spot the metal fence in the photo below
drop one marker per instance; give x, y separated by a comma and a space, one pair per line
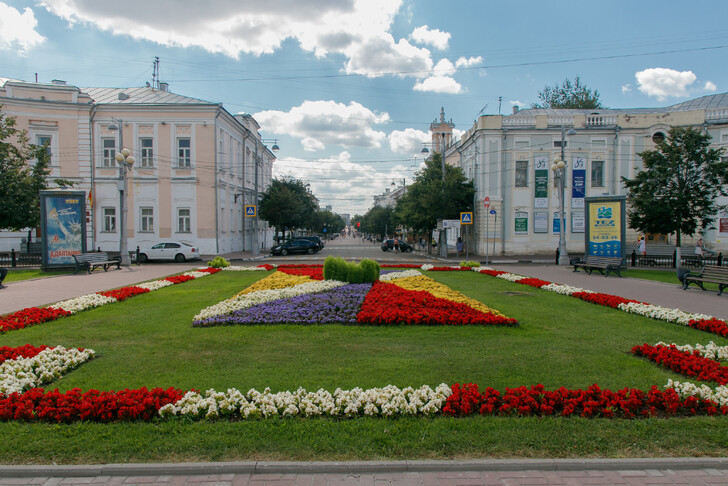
660, 258
17, 259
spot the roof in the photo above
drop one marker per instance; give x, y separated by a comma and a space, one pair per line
141, 96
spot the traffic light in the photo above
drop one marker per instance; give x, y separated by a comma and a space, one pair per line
358, 224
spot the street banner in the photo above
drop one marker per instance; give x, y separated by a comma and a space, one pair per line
577, 222
521, 222
605, 226
63, 225
557, 223
541, 187
578, 184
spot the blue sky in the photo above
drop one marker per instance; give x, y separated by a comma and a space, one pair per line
349, 87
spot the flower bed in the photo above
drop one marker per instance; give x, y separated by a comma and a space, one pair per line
688, 363
30, 368
37, 315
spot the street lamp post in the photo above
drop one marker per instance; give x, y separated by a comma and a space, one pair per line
559, 168
125, 161
443, 233
274, 148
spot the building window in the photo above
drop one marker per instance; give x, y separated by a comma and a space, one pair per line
109, 147
597, 173
109, 220
147, 145
147, 220
521, 173
184, 221
44, 139
184, 159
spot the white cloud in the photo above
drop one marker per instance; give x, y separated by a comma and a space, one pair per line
627, 88
435, 38
439, 84
17, 30
319, 123
664, 83
710, 86
408, 141
469, 62
348, 186
381, 55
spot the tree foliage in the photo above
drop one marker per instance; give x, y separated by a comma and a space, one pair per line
23, 171
379, 220
326, 219
568, 95
677, 189
287, 204
429, 198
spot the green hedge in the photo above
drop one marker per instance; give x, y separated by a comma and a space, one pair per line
336, 268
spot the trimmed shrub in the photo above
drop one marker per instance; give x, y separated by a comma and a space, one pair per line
336, 268
218, 262
469, 263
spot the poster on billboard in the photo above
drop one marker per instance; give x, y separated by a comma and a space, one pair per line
541, 188
540, 222
723, 222
63, 225
578, 183
605, 226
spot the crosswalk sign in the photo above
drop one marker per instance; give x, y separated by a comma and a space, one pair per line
466, 218
250, 210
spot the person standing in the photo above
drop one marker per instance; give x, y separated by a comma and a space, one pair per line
642, 246
459, 246
700, 249
396, 245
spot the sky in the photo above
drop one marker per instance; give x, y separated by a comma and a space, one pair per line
349, 87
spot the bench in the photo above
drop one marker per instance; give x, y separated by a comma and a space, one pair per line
90, 261
710, 274
608, 264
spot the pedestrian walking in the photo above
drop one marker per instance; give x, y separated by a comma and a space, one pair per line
396, 245
459, 246
642, 246
700, 250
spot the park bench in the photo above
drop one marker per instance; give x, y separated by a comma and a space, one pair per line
710, 274
608, 264
90, 261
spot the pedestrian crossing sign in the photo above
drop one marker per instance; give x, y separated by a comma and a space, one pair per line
466, 218
250, 210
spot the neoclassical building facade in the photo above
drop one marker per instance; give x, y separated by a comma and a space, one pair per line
196, 165
509, 159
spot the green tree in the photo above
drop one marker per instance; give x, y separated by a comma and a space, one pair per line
568, 95
326, 219
430, 198
677, 189
287, 204
23, 171
379, 220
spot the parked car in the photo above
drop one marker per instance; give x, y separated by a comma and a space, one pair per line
169, 250
388, 245
319, 242
295, 246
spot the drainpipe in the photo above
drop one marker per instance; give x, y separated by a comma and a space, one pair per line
217, 202
614, 156
503, 192
93, 173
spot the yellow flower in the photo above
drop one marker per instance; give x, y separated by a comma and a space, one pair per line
277, 280
442, 291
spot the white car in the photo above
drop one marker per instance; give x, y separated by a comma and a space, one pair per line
169, 250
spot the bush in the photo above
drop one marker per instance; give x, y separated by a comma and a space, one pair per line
336, 268
218, 262
470, 264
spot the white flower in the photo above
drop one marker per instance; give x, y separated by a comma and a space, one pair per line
427, 267
662, 313
564, 289
155, 285
84, 302
21, 374
403, 274
512, 277
709, 351
233, 268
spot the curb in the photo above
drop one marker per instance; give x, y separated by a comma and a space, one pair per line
348, 467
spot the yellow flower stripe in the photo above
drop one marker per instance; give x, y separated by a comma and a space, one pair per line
276, 280
442, 291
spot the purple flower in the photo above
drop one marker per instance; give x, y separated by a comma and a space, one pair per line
340, 305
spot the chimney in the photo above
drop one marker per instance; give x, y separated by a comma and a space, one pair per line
163, 86
58, 82
515, 109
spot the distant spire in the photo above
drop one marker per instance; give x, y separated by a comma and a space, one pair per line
442, 115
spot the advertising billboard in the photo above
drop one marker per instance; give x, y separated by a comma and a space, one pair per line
63, 225
605, 226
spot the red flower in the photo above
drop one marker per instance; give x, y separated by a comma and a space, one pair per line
177, 279
688, 364
209, 270
314, 273
533, 282
27, 351
124, 292
29, 317
603, 299
716, 326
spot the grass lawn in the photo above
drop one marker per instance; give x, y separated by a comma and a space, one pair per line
15, 275
561, 341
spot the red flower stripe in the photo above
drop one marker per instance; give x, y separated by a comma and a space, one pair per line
533, 282
177, 279
124, 292
27, 351
29, 317
688, 364
267, 266
716, 326
209, 270
314, 273
492, 273
387, 303
603, 299
590, 403
299, 265
399, 265
37, 404
450, 269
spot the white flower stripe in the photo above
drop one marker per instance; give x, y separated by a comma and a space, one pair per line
155, 285
403, 274
387, 402
84, 302
234, 268
686, 389
710, 350
21, 374
662, 313
244, 301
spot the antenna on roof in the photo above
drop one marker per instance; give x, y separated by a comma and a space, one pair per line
155, 73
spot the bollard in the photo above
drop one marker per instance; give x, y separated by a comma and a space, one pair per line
720, 259
558, 254
13, 261
634, 257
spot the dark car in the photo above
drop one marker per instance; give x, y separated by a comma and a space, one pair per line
295, 246
315, 239
388, 245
